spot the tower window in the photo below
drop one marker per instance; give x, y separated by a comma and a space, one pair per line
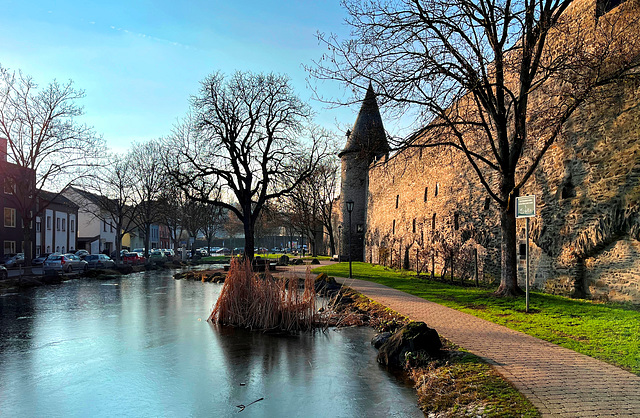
426, 193
433, 221
568, 190
393, 230
414, 225
437, 189
456, 221
397, 200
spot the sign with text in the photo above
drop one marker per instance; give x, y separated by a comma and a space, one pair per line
525, 206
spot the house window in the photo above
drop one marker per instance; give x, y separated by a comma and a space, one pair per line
63, 249
414, 225
110, 227
393, 228
48, 248
57, 248
433, 221
64, 224
104, 226
38, 250
9, 186
57, 224
73, 225
426, 193
49, 222
437, 189
397, 200
38, 226
9, 218
9, 247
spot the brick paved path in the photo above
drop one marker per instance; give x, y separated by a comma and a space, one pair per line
558, 381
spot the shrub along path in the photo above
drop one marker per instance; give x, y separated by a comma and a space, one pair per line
558, 381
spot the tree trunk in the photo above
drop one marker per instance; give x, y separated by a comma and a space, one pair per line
509, 260
26, 238
249, 238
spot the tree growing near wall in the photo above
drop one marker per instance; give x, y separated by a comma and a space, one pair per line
43, 137
250, 135
495, 80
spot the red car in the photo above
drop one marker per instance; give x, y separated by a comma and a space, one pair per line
132, 258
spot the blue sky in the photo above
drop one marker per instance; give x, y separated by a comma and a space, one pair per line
139, 61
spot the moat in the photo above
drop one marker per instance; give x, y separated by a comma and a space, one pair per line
140, 346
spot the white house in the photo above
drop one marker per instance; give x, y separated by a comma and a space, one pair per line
96, 228
56, 226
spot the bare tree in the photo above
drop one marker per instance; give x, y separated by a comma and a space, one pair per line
114, 189
149, 180
44, 138
212, 222
172, 207
495, 80
310, 204
250, 135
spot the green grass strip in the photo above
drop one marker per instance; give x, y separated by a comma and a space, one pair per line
606, 331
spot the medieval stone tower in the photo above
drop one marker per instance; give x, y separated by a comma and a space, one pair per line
366, 142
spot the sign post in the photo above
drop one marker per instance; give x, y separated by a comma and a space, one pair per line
526, 208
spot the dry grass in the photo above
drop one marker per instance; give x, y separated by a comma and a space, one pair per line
264, 303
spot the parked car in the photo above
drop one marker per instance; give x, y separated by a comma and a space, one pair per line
4, 274
82, 253
15, 261
6, 257
132, 258
168, 252
99, 261
202, 252
139, 251
223, 251
38, 261
157, 256
114, 253
238, 251
65, 263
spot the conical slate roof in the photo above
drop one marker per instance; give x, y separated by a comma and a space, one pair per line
367, 136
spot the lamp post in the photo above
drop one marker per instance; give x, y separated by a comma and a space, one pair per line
339, 239
350, 209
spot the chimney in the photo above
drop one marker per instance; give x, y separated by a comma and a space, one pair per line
3, 149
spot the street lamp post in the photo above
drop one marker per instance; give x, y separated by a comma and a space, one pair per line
339, 239
350, 209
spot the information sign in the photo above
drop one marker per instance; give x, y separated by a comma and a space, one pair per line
526, 206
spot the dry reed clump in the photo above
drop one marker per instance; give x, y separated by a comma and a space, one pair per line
246, 300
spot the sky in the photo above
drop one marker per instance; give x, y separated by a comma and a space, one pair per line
140, 61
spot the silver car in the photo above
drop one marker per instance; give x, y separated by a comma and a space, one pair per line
99, 261
65, 263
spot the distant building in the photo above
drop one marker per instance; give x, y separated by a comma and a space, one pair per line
96, 228
56, 227
12, 227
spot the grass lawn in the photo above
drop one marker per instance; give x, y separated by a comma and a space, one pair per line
609, 332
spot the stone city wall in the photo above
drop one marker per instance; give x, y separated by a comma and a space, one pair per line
586, 237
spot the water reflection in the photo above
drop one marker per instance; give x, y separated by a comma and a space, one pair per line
140, 346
